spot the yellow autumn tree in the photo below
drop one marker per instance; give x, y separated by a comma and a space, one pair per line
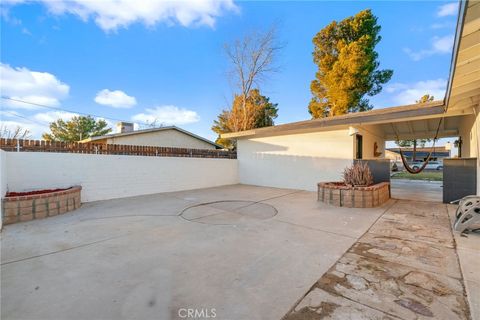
255, 112
347, 66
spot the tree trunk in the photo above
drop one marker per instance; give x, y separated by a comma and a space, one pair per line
414, 150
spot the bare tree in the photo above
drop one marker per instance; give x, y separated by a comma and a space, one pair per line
17, 133
155, 123
253, 59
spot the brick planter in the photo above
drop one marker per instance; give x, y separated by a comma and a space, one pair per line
36, 206
340, 195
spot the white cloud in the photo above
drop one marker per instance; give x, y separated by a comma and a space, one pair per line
442, 25
408, 93
32, 86
50, 116
167, 115
449, 9
36, 124
116, 99
111, 15
443, 44
440, 45
34, 130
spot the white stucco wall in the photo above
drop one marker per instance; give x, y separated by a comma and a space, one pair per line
475, 143
164, 138
371, 134
297, 161
470, 133
110, 176
3, 179
469, 137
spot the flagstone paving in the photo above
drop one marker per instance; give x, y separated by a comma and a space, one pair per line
404, 267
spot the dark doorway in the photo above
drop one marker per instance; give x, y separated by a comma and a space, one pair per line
359, 146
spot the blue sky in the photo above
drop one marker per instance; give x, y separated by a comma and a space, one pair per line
164, 60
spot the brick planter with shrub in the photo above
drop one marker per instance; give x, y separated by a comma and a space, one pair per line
356, 191
340, 195
18, 207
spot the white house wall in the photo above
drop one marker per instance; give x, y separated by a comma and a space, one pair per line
110, 176
470, 133
163, 138
475, 144
297, 161
371, 134
3, 180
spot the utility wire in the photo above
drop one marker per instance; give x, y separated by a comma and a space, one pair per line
20, 116
67, 110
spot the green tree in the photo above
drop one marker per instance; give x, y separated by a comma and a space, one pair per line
425, 98
416, 142
347, 66
255, 112
76, 129
222, 125
266, 111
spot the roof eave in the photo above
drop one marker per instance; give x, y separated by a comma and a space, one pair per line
385, 115
117, 135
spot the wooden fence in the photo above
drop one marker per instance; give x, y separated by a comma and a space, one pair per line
118, 149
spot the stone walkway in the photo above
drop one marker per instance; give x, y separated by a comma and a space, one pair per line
404, 267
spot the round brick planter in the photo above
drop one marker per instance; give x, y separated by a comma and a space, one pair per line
36, 206
340, 195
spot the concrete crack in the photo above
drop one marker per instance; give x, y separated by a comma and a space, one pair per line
67, 249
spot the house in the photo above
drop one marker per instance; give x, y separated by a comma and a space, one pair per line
393, 156
170, 136
299, 155
438, 154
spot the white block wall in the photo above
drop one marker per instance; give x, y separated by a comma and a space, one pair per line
109, 176
297, 161
3, 179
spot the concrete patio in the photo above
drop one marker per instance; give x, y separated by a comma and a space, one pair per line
138, 258
417, 190
248, 252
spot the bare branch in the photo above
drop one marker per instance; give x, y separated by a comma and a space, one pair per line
253, 59
17, 133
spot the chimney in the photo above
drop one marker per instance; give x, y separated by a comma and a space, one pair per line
123, 127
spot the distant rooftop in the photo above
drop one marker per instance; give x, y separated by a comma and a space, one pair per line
135, 132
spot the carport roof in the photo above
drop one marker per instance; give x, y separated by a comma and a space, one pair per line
416, 120
386, 115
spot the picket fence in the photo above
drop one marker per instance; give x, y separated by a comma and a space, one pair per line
20, 145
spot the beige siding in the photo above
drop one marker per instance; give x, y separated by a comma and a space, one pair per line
164, 138
297, 161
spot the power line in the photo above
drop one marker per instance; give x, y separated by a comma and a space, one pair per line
67, 110
42, 123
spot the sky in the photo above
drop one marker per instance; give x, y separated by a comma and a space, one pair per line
164, 61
